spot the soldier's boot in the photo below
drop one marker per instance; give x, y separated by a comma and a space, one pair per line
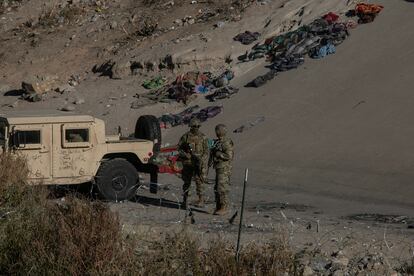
218, 203
222, 211
223, 206
184, 204
199, 202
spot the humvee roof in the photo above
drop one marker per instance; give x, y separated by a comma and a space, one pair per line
43, 117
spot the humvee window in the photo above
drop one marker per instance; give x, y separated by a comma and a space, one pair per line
29, 137
80, 135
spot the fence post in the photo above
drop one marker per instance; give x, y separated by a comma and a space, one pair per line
246, 174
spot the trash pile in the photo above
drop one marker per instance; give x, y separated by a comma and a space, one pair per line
317, 40
171, 120
186, 86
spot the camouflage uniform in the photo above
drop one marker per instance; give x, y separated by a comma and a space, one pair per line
193, 152
221, 158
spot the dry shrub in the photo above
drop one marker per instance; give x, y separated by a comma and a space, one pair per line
73, 236
272, 258
407, 268
176, 254
148, 26
13, 173
181, 254
70, 236
55, 16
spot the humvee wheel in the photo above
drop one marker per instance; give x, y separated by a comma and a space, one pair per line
148, 128
117, 180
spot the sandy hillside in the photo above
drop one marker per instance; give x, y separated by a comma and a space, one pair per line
337, 131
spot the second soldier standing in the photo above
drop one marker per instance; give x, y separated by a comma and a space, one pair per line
193, 152
221, 157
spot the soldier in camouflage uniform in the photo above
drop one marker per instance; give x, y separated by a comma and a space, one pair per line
221, 157
193, 152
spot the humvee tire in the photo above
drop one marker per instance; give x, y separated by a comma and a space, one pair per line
148, 128
117, 180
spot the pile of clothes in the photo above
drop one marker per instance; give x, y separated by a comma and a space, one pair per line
222, 93
167, 161
366, 12
154, 83
325, 30
187, 85
184, 117
261, 80
317, 40
247, 37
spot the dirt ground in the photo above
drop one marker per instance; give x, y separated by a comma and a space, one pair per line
330, 166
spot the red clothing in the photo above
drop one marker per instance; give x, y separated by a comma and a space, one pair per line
331, 17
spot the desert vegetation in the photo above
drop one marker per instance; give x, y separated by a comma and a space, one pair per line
44, 235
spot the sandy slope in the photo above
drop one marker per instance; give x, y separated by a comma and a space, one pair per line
338, 132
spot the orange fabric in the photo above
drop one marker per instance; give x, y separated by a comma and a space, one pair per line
368, 8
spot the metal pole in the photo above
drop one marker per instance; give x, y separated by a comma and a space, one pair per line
246, 174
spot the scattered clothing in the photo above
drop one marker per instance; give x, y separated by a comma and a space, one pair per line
193, 78
323, 51
261, 80
223, 79
351, 24
367, 12
201, 89
249, 125
208, 112
222, 93
282, 64
172, 120
155, 83
247, 37
184, 117
287, 51
185, 86
331, 17
167, 161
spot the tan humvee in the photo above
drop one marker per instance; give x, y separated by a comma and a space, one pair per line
65, 148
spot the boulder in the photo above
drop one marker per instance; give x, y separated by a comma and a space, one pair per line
68, 108
121, 70
65, 88
39, 85
79, 101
